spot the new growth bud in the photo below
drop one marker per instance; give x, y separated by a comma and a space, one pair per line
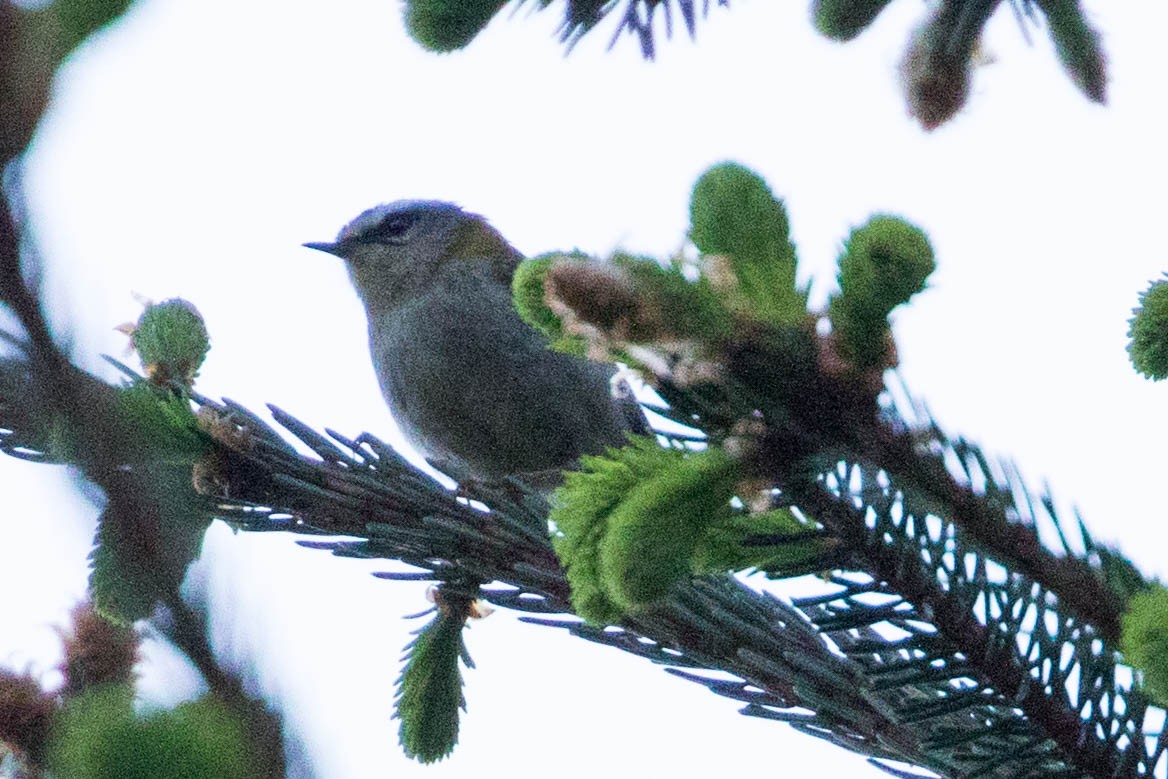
429, 690
448, 25
630, 309
884, 263
171, 341
1148, 332
937, 65
1078, 47
642, 519
1144, 640
531, 300
97, 651
604, 297
734, 214
631, 522
842, 20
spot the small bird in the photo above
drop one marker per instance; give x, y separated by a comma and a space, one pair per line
473, 387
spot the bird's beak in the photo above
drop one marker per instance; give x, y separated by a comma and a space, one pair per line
324, 246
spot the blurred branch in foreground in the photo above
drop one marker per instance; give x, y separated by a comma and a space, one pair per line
936, 70
88, 727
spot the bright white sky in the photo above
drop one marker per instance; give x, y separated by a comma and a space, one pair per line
192, 149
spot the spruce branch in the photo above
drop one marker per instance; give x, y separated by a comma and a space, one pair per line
936, 69
972, 674
945, 635
101, 442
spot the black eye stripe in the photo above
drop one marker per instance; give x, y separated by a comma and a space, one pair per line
393, 227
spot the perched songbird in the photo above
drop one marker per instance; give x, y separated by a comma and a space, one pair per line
473, 386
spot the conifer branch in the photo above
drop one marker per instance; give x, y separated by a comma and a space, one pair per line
85, 406
954, 693
948, 636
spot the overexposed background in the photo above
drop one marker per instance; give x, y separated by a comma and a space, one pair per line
192, 147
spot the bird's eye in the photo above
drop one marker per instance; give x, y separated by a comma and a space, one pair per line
393, 228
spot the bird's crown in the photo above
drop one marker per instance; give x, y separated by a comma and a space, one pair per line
394, 249
397, 222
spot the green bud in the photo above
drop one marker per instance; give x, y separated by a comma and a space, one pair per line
732, 210
199, 738
141, 552
172, 341
87, 728
448, 25
429, 690
122, 584
97, 652
883, 264
634, 523
654, 532
628, 523
1078, 47
580, 512
1148, 332
1144, 640
635, 300
529, 296
842, 20
937, 66
99, 736
733, 213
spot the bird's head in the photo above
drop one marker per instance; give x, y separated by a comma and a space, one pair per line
395, 249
